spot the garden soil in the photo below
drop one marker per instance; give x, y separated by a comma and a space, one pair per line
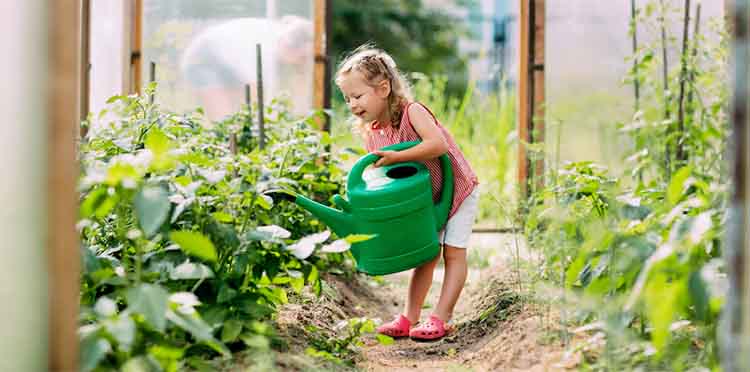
497, 325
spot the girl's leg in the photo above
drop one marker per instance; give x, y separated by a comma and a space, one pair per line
419, 285
456, 270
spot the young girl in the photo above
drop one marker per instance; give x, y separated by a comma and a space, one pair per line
378, 95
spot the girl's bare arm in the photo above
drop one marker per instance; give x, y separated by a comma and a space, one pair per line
433, 142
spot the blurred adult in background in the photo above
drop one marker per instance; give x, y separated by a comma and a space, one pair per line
221, 60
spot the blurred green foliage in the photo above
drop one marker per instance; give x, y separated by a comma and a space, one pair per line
419, 39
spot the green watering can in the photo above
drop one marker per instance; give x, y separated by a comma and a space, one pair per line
394, 203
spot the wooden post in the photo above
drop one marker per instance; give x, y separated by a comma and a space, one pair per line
85, 64
136, 42
531, 94
62, 238
322, 71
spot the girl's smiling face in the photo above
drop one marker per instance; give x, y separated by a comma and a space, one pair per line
365, 101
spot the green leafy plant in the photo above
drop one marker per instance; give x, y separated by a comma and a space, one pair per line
184, 256
641, 251
342, 347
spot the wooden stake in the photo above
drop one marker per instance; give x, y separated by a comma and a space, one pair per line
665, 88
259, 85
152, 78
636, 82
321, 78
64, 253
85, 64
524, 103
135, 49
681, 156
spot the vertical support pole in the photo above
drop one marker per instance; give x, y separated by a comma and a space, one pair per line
741, 117
85, 64
531, 94
152, 78
538, 96
634, 28
259, 96
322, 71
62, 238
524, 103
135, 47
247, 127
735, 323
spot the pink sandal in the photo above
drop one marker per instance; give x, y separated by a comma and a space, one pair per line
398, 327
432, 329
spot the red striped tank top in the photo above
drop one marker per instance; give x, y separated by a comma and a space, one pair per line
465, 180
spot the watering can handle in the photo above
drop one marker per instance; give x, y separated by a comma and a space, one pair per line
442, 207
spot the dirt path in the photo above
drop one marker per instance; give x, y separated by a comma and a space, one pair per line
496, 327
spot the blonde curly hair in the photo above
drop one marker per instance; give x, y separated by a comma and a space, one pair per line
376, 65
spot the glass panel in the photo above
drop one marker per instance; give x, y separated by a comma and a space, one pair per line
107, 52
587, 43
205, 52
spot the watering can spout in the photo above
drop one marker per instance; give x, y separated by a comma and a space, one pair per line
339, 221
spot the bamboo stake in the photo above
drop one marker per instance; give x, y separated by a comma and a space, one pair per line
259, 86
691, 76
665, 88
85, 65
247, 126
681, 156
152, 79
636, 82
523, 100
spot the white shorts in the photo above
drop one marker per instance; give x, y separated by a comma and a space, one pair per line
457, 230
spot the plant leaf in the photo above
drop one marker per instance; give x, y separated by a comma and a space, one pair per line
93, 350
190, 270
193, 324
305, 246
231, 330
149, 300
384, 340
274, 231
677, 185
195, 244
338, 246
357, 238
151, 208
121, 329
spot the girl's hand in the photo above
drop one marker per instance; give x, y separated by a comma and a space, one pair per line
387, 158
